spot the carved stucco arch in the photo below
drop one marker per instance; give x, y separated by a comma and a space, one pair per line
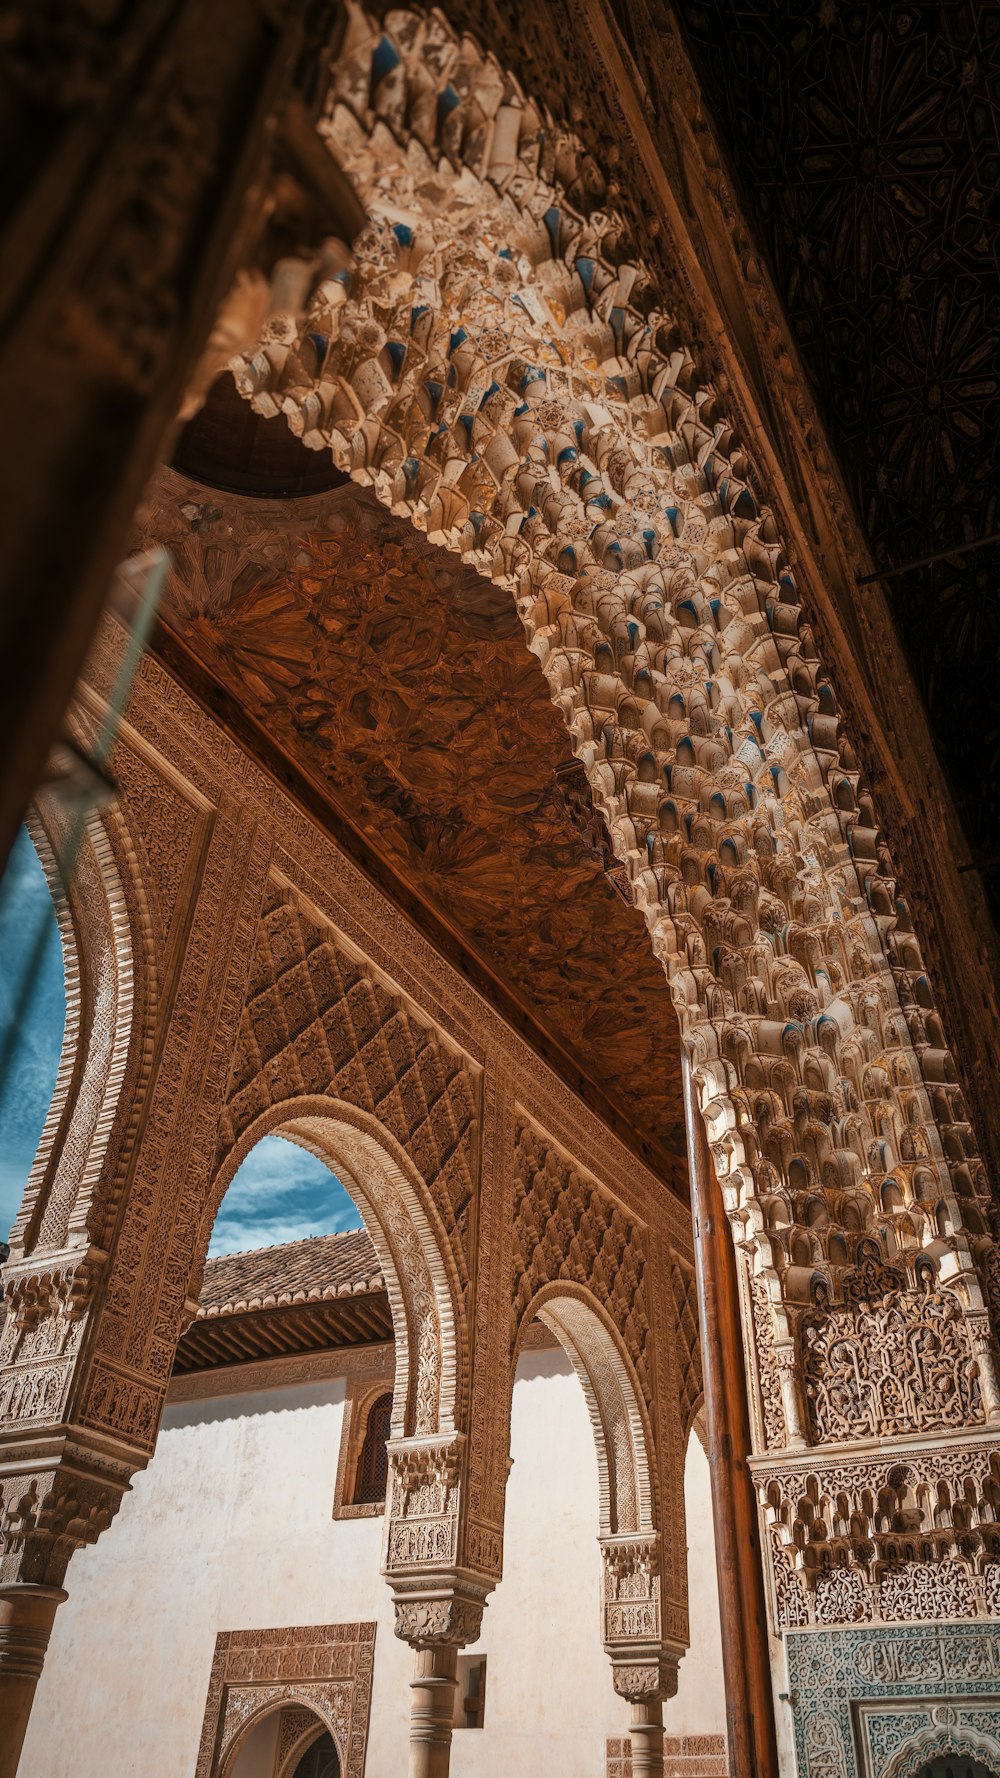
623, 1436
230, 1753
301, 1746
431, 1379
644, 1634
496, 367
955, 1737
110, 976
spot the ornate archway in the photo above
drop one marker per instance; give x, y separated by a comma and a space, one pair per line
318, 1677
54, 1277
428, 1322
495, 365
580, 1266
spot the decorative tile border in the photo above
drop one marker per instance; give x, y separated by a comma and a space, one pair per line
849, 1692
684, 1756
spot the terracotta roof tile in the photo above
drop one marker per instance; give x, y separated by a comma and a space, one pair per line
314, 1270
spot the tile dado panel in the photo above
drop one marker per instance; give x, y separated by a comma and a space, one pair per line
883, 1702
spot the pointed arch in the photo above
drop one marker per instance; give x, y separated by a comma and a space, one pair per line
497, 366
111, 992
326, 1723
626, 1467
413, 1250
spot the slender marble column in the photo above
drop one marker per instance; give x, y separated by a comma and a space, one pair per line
26, 1617
749, 1698
646, 1729
432, 1710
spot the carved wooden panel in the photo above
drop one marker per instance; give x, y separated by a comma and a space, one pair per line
866, 141
398, 681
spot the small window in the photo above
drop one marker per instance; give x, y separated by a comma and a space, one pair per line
373, 1461
470, 1693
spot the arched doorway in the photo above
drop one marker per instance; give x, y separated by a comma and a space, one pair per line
320, 1760
956, 1765
290, 1742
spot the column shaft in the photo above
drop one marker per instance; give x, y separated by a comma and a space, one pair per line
432, 1709
749, 1698
26, 1616
647, 1737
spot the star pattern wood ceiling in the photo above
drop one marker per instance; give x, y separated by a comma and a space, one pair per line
334, 639
866, 142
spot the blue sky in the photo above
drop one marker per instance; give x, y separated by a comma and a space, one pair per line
29, 1057
280, 1193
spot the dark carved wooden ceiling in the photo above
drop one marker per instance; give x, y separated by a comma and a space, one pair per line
866, 142
392, 689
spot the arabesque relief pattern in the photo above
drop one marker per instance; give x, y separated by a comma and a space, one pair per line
566, 1229
497, 365
904, 1537
326, 1668
317, 1020
685, 1302
302, 1001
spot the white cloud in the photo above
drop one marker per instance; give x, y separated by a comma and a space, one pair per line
280, 1193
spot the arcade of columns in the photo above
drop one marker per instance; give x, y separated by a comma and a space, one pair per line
490, 362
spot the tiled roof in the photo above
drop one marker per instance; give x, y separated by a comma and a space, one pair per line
310, 1271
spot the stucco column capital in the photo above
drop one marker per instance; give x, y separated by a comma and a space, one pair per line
438, 1611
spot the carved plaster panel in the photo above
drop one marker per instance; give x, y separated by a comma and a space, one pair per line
907, 1535
326, 1666
531, 406
285, 940
566, 1229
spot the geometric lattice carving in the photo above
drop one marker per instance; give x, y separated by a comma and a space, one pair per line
317, 1021
326, 1667
686, 1336
565, 1228
296, 1732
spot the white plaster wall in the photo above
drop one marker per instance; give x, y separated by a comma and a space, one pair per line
231, 1528
550, 1703
700, 1705
256, 1756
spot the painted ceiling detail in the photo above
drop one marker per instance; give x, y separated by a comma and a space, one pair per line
397, 681
866, 141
